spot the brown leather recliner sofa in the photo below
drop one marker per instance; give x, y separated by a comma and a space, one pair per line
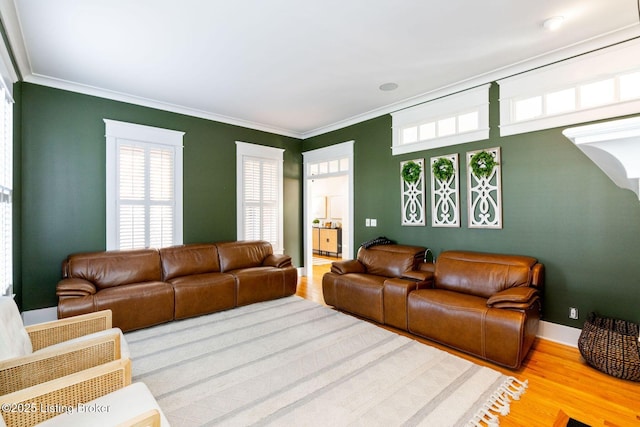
150, 286
376, 284
487, 305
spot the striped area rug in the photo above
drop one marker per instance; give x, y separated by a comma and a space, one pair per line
292, 362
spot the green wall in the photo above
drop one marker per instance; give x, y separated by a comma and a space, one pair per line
61, 147
557, 206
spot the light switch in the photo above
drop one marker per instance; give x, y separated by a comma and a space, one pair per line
374, 222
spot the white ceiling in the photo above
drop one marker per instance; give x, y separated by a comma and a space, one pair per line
297, 68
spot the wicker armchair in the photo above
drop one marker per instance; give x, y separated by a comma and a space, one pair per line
34, 354
102, 395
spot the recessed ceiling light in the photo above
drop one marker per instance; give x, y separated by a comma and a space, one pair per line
553, 23
388, 86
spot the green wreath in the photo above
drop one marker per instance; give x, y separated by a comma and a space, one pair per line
411, 172
482, 164
443, 169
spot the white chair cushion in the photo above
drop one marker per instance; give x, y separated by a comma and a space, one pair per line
14, 339
111, 409
124, 348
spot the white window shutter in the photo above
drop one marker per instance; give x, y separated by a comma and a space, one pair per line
260, 213
144, 186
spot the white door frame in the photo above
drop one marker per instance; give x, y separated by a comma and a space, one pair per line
332, 152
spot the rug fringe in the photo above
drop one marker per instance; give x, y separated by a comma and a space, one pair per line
499, 403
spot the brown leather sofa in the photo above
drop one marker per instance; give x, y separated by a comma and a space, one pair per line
484, 304
487, 305
375, 285
150, 286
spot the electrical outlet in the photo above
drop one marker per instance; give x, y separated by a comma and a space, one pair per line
573, 313
374, 222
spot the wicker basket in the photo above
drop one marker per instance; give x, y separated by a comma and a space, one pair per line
611, 346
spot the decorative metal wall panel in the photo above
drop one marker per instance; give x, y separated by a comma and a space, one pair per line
445, 191
412, 182
484, 188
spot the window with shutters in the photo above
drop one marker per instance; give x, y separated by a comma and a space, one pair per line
144, 186
259, 194
6, 193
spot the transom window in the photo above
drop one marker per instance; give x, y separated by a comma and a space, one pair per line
593, 86
335, 166
598, 93
453, 119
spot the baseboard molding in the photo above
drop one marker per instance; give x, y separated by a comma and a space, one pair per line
559, 333
549, 331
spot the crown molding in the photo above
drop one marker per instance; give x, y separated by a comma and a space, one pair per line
605, 40
152, 103
12, 26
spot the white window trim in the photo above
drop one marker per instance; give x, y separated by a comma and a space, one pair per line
115, 130
606, 63
261, 151
6, 194
471, 100
332, 152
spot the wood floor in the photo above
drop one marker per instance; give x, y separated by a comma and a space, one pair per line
560, 382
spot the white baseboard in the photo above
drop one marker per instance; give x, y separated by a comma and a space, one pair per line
549, 331
559, 333
40, 315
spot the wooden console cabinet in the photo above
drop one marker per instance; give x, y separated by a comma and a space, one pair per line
327, 241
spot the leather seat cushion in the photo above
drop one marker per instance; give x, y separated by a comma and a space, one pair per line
481, 274
390, 260
465, 322
184, 260
115, 268
261, 284
243, 254
203, 293
137, 305
361, 294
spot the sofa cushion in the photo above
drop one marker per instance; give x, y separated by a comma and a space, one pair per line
123, 405
203, 293
14, 339
190, 259
465, 322
390, 260
115, 268
137, 305
481, 274
243, 254
263, 283
361, 294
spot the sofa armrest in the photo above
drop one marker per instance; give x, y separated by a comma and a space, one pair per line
424, 278
51, 363
517, 298
349, 266
427, 266
75, 287
277, 260
54, 332
537, 276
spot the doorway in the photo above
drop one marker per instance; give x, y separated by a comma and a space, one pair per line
328, 204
